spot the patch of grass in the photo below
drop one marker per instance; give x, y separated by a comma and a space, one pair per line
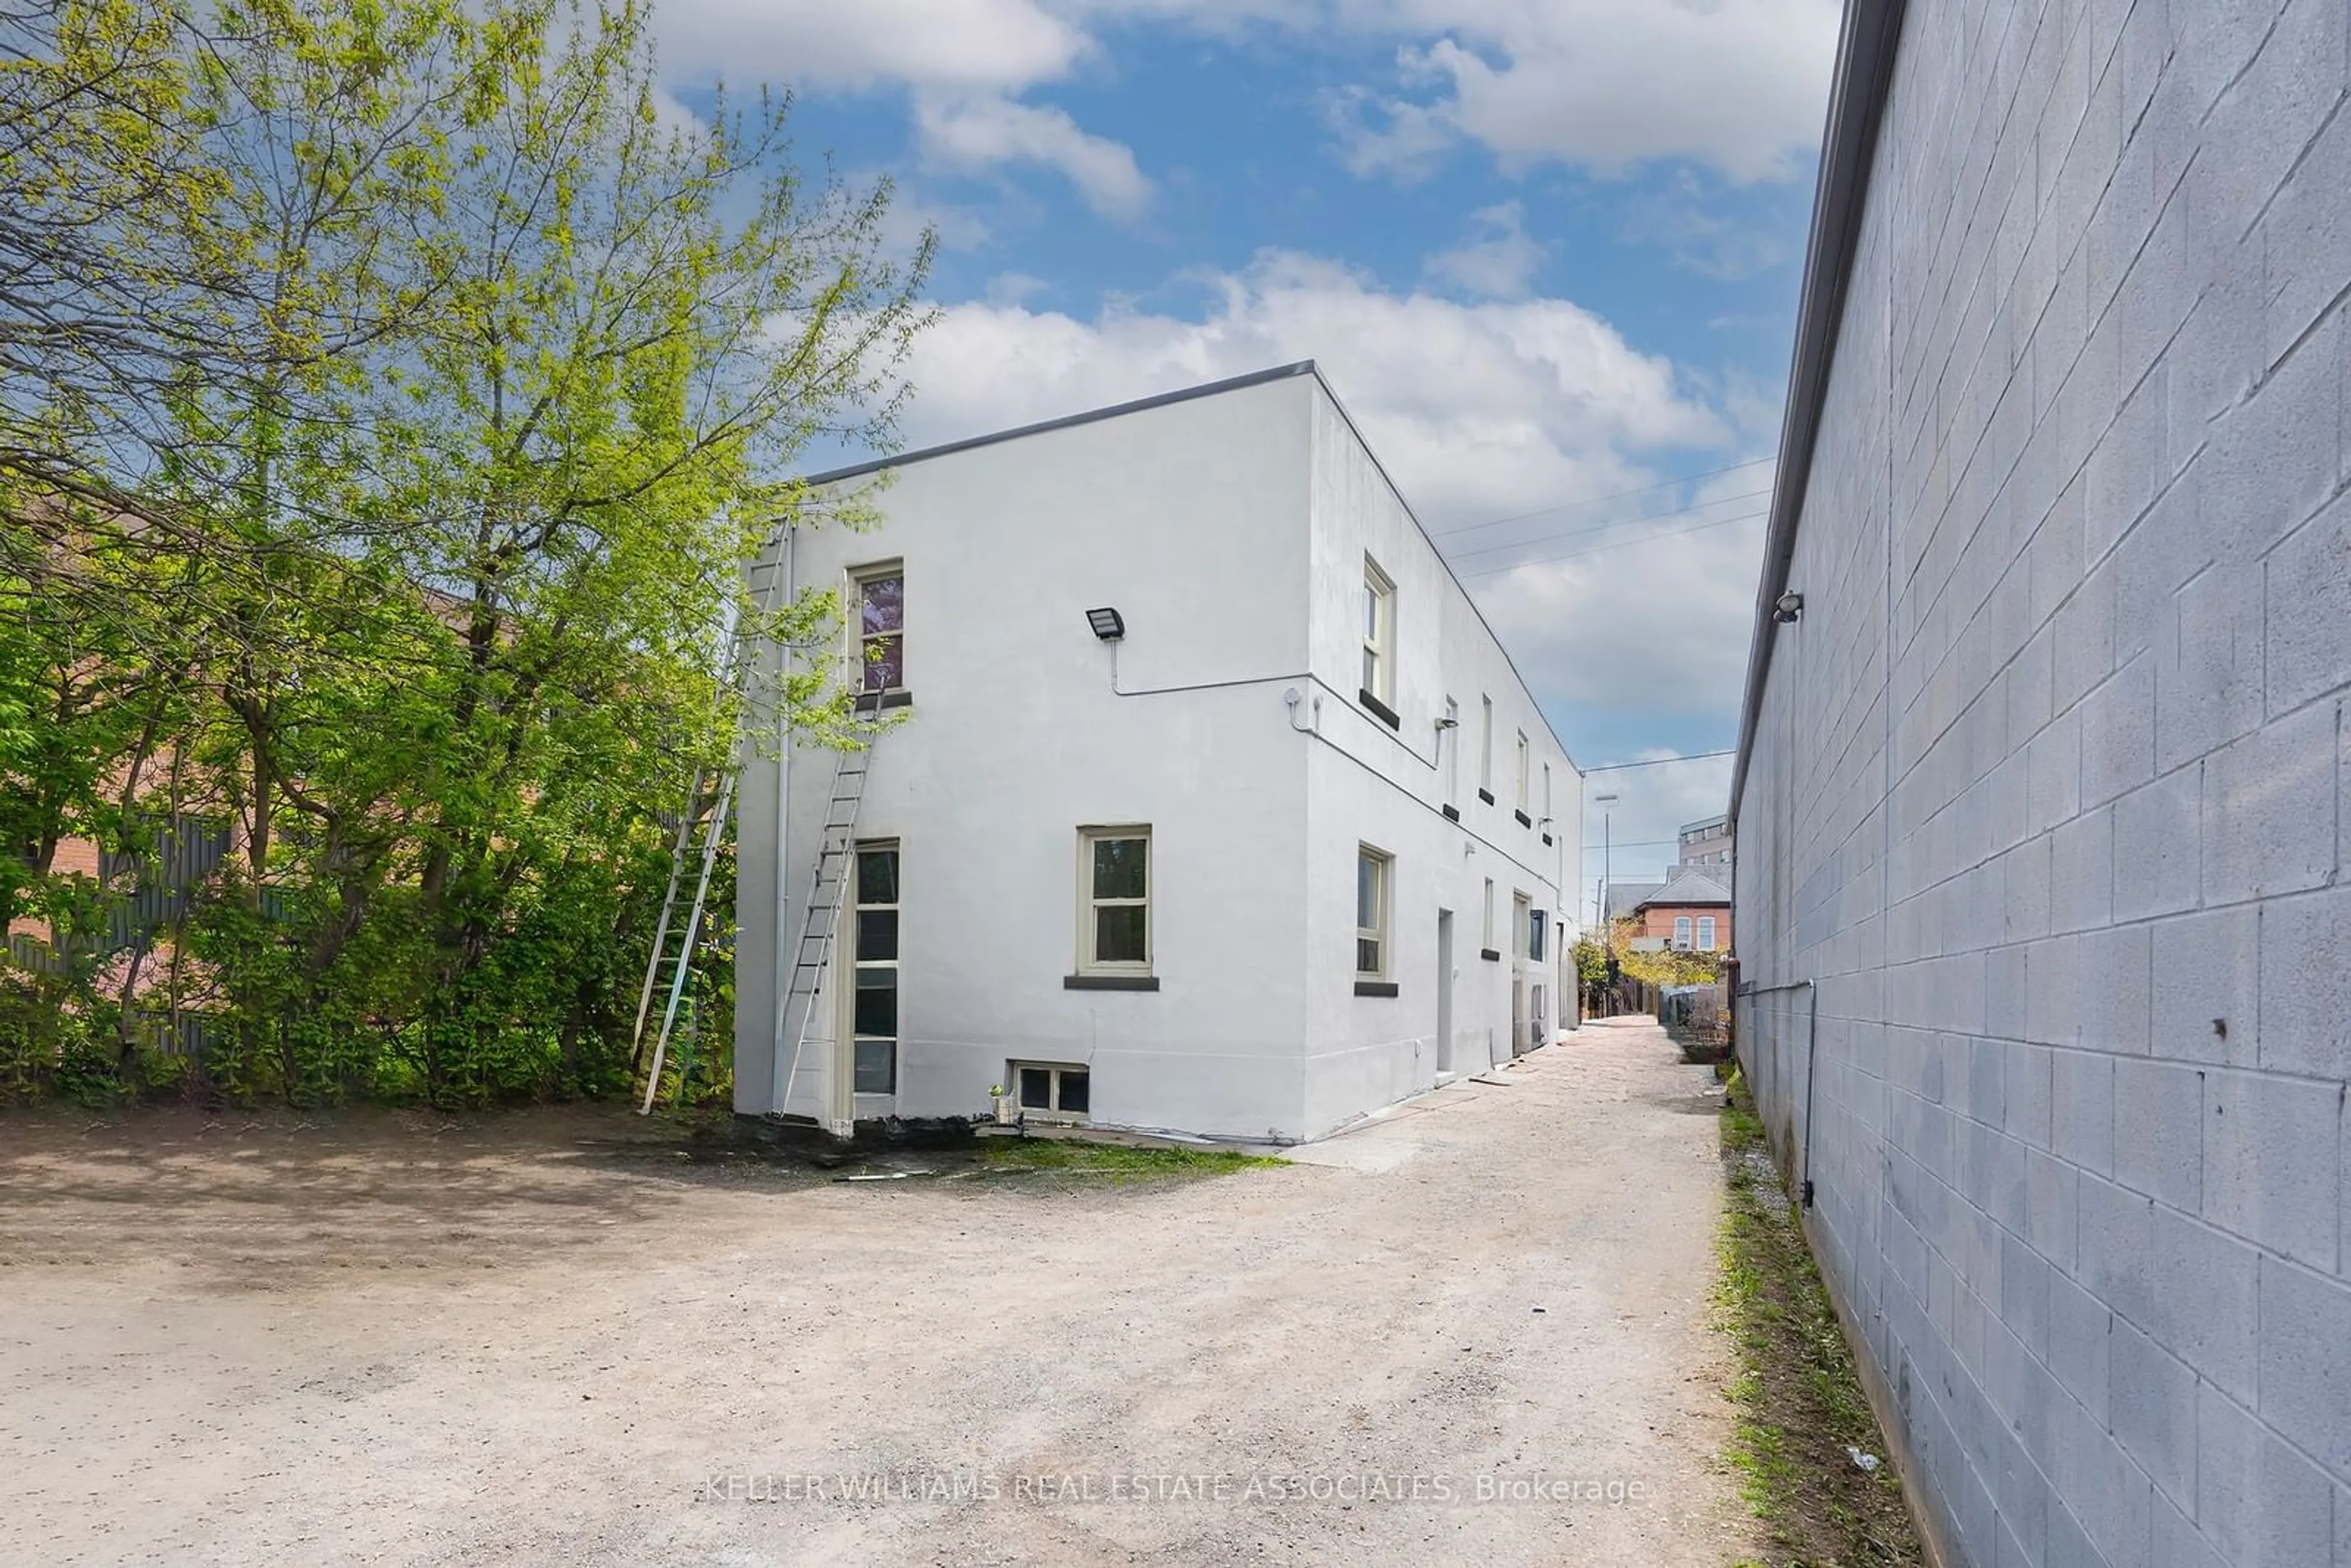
1119, 1162
1799, 1399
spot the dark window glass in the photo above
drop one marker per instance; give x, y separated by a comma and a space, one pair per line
877, 876
1118, 934
877, 1067
1119, 867
1367, 892
883, 603
1073, 1091
885, 664
877, 934
1036, 1089
1367, 957
877, 1002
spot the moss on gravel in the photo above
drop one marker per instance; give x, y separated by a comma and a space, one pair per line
1119, 1162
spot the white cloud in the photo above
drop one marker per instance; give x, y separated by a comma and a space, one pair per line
673, 118
1499, 262
1013, 288
913, 212
978, 135
1407, 144
968, 45
1699, 238
1740, 86
1478, 409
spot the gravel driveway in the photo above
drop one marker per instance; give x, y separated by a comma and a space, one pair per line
1471, 1331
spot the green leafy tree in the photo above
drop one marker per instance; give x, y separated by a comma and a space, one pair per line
418, 515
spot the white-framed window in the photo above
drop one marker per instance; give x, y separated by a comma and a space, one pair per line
1537, 927
1486, 931
874, 947
1053, 1090
1115, 900
1547, 816
1706, 933
1522, 923
1486, 746
877, 593
1379, 633
1520, 787
1450, 738
1374, 872
1681, 931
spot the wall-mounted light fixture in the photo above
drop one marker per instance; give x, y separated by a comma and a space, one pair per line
1107, 624
1788, 609
1448, 723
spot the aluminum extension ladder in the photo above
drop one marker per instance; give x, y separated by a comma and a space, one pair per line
674, 940
829, 888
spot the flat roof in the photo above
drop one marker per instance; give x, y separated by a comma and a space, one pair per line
1865, 73
1182, 395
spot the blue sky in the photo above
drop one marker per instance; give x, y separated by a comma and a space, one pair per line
1546, 250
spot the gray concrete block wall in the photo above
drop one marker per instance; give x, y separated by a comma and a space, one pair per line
2045, 879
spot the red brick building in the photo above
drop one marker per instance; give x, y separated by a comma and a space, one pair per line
1691, 912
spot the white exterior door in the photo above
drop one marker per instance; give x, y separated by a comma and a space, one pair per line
1522, 911
1444, 992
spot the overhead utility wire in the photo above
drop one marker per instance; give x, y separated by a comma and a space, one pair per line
1661, 761
1592, 529
1595, 501
1613, 544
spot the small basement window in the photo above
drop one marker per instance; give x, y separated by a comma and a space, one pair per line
1053, 1090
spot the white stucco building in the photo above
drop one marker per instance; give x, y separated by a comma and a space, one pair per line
1288, 847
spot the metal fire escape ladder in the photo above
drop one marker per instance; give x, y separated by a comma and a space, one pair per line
829, 888
735, 655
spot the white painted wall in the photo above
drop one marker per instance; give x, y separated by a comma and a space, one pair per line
1212, 524
1387, 787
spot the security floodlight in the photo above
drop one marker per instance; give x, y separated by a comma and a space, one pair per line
1788, 607
1106, 623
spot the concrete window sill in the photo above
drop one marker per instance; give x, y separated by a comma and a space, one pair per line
1490, 955
878, 702
1452, 813
1487, 796
1380, 710
1110, 982
1524, 820
1375, 988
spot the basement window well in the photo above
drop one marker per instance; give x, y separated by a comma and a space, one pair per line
1051, 1090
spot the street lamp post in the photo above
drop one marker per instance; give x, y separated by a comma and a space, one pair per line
1607, 859
1607, 869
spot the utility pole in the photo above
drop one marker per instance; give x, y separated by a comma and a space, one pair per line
1607, 862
